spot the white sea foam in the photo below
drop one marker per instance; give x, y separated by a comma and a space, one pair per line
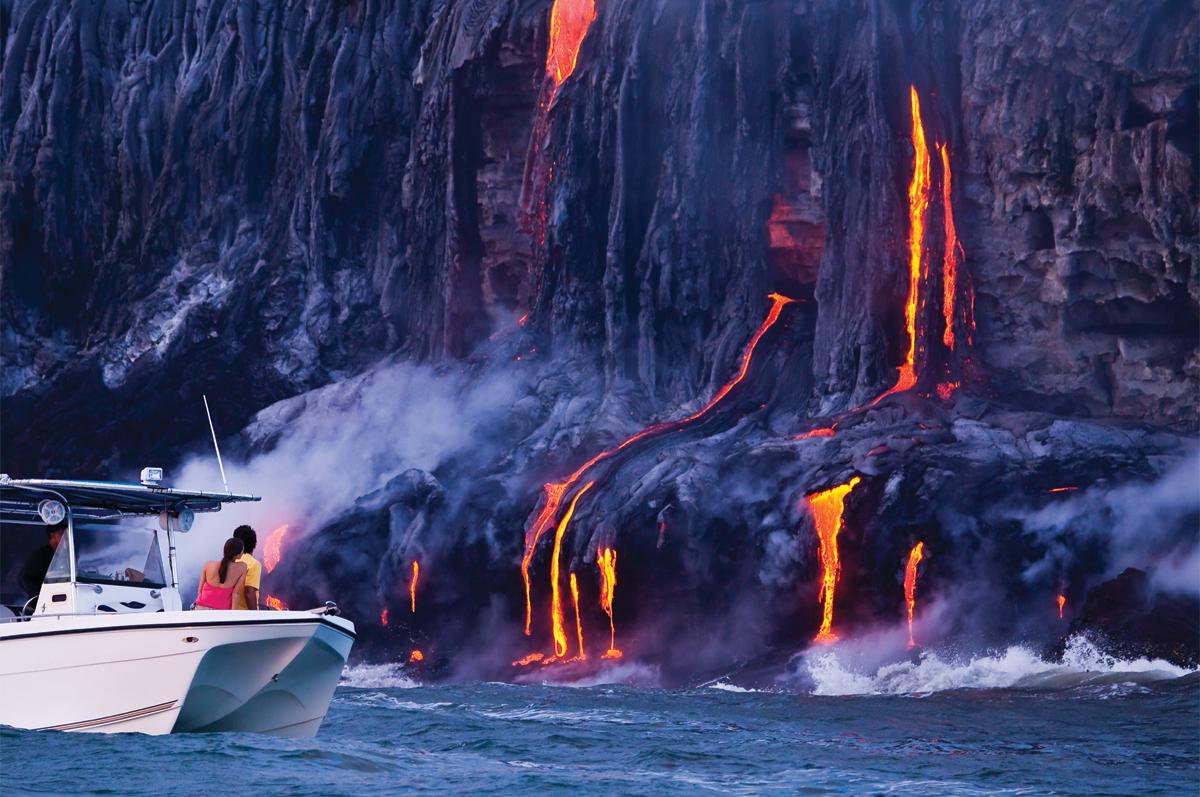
728, 687
377, 676
1083, 664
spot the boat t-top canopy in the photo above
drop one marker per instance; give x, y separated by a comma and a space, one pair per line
123, 497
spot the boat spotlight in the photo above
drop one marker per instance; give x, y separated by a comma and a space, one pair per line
152, 477
52, 512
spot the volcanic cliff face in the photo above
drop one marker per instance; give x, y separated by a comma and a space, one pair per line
282, 204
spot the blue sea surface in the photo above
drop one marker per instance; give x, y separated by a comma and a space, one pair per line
392, 736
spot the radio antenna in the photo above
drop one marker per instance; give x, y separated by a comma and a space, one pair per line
216, 447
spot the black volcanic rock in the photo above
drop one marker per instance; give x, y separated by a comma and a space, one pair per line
1141, 620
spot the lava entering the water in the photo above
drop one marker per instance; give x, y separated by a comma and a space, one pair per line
416, 656
557, 623
412, 585
910, 586
569, 23
606, 560
826, 508
1062, 602
555, 491
275, 603
273, 548
578, 619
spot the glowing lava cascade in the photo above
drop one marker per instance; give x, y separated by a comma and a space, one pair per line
910, 586
412, 585
578, 618
558, 622
555, 491
569, 23
273, 548
1062, 602
606, 560
826, 508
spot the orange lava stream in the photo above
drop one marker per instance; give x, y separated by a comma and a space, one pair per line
569, 23
557, 622
273, 548
412, 585
530, 659
1062, 602
910, 586
820, 431
275, 603
416, 656
606, 560
578, 619
918, 203
826, 508
951, 253
555, 491
383, 617
1068, 489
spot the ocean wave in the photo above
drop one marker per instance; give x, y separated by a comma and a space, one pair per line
1083, 665
377, 676
724, 686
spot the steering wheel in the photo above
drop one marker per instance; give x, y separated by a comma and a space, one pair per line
27, 609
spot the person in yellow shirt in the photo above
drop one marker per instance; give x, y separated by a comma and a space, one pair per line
248, 597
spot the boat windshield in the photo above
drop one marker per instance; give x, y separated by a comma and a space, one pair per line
124, 553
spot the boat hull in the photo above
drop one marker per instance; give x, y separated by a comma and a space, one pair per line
265, 672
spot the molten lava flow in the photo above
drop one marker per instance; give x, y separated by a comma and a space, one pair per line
530, 659
910, 585
1067, 489
556, 490
820, 431
412, 585
826, 508
569, 23
383, 617
416, 656
606, 560
918, 203
951, 253
558, 624
275, 603
1062, 602
946, 389
578, 620
273, 548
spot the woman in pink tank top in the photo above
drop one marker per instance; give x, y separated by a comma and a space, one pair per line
219, 579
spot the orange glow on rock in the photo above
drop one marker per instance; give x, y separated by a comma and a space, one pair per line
273, 548
820, 431
946, 389
1062, 602
416, 656
578, 618
606, 560
557, 622
383, 617
569, 23
275, 603
918, 203
910, 586
530, 659
826, 508
412, 585
1067, 489
555, 491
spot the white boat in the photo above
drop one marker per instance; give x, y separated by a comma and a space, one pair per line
105, 644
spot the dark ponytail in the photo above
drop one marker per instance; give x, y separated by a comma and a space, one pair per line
233, 549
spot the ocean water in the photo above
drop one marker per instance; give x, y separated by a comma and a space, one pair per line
1005, 723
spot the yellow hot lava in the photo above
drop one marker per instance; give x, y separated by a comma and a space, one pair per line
826, 508
950, 254
918, 203
578, 619
412, 585
558, 624
606, 560
1062, 602
569, 23
275, 603
910, 586
416, 656
273, 548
